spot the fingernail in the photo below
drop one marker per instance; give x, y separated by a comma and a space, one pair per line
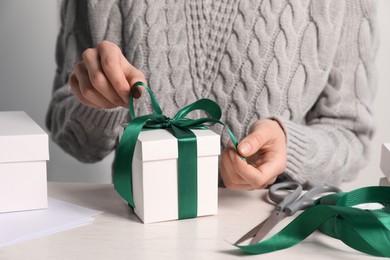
231, 154
244, 148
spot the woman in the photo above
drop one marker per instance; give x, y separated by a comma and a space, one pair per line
295, 79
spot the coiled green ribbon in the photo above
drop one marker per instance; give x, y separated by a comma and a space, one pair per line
180, 127
367, 231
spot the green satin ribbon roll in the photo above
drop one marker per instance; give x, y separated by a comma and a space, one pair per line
367, 231
180, 127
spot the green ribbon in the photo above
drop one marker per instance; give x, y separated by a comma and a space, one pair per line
180, 127
367, 231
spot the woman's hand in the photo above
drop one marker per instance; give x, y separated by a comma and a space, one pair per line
266, 157
104, 77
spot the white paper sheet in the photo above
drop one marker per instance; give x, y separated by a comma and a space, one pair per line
20, 226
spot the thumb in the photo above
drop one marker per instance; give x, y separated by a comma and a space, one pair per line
251, 144
133, 75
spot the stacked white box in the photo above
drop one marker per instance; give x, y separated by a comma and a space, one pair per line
384, 182
155, 175
24, 150
385, 160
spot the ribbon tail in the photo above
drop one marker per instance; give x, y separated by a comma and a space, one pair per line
300, 228
187, 168
357, 228
123, 177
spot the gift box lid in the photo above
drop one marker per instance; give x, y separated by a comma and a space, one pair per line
160, 144
21, 139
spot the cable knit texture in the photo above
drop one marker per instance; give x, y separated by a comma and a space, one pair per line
307, 64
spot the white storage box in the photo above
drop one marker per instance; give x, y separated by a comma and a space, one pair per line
385, 160
24, 150
384, 182
155, 175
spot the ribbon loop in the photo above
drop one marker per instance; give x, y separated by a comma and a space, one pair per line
207, 105
155, 105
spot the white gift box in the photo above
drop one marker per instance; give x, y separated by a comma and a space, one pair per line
155, 175
24, 150
384, 182
385, 160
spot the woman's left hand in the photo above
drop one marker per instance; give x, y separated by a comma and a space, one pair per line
265, 151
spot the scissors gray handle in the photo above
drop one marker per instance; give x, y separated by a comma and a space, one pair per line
283, 200
308, 199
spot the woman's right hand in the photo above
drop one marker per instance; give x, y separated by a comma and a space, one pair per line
104, 77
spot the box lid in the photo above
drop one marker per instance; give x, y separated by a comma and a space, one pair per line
21, 139
160, 144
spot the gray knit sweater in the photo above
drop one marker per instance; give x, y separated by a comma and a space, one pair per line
309, 64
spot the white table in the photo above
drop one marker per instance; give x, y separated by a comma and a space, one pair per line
118, 234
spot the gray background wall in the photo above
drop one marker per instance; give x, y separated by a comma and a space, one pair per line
28, 32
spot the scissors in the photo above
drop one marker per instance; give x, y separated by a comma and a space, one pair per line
287, 205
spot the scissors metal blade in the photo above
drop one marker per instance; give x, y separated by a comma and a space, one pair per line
251, 233
268, 225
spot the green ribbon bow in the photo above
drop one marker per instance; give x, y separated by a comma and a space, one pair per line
180, 127
367, 231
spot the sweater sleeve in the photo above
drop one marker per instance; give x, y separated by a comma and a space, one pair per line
85, 133
333, 143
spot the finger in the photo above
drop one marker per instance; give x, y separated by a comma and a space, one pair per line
75, 88
255, 140
227, 170
251, 144
256, 160
231, 180
258, 177
115, 67
134, 75
98, 79
271, 181
270, 170
88, 91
